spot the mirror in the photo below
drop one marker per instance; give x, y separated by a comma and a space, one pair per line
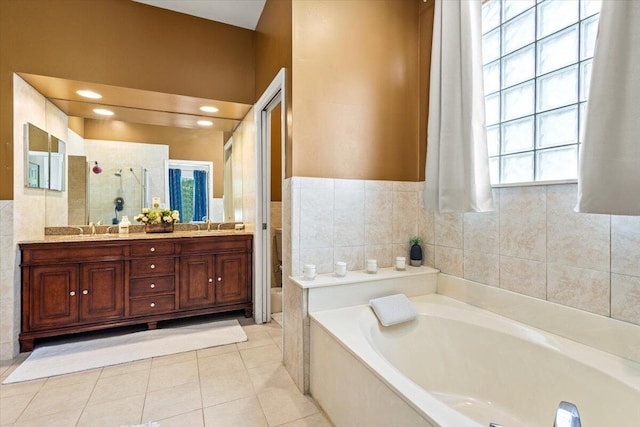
44, 159
142, 121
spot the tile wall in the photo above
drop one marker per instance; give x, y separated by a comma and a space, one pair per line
533, 243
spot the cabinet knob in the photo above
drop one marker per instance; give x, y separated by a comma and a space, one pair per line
152, 249
219, 279
153, 304
153, 285
153, 266
85, 292
72, 293
210, 280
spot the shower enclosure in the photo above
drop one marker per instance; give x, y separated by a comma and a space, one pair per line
116, 191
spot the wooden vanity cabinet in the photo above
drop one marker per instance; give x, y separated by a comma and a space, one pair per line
70, 287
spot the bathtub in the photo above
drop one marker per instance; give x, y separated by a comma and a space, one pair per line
457, 365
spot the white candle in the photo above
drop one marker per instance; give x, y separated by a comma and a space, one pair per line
341, 268
372, 266
401, 263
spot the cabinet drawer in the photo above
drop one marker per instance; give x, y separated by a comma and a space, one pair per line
152, 305
152, 266
152, 248
151, 285
217, 244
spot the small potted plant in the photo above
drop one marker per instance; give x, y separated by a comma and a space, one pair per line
415, 254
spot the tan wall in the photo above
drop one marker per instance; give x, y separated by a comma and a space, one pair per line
273, 52
122, 43
356, 89
184, 144
276, 154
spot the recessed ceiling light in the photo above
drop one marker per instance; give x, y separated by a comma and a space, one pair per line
103, 112
89, 94
209, 109
205, 123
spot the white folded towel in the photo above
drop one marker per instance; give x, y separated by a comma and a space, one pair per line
393, 309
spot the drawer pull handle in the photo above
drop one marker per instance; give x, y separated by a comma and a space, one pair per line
153, 304
219, 279
152, 249
153, 285
85, 292
153, 266
72, 293
210, 280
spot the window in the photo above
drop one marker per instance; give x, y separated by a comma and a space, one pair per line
537, 69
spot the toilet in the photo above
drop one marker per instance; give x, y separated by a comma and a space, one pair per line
276, 272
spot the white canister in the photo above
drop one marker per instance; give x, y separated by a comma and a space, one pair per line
401, 263
309, 271
341, 269
123, 227
372, 266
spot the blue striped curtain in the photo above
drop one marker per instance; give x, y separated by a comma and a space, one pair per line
175, 190
200, 196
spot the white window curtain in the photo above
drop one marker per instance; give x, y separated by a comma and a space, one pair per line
457, 167
609, 177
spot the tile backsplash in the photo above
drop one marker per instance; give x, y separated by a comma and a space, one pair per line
533, 243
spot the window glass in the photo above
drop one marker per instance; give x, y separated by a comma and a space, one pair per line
537, 58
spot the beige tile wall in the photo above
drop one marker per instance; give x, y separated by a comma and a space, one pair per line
535, 244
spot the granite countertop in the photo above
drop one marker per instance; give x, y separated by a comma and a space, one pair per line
135, 236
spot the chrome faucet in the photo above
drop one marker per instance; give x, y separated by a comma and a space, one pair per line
208, 222
93, 228
567, 415
219, 225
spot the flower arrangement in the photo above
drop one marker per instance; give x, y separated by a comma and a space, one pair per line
158, 216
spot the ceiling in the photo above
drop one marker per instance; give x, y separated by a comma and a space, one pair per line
241, 13
135, 105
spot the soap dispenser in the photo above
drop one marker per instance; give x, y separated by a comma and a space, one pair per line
123, 227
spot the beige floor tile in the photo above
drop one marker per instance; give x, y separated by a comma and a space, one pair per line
225, 388
119, 387
121, 412
84, 377
285, 405
316, 420
170, 402
220, 364
273, 375
213, 351
274, 332
190, 419
12, 406
60, 419
242, 412
58, 399
257, 336
173, 358
258, 356
126, 368
172, 375
7, 390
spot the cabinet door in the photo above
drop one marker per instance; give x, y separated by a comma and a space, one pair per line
196, 281
232, 279
101, 291
54, 299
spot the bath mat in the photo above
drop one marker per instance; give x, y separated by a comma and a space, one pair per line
77, 355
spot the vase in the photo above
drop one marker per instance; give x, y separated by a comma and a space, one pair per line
415, 255
158, 228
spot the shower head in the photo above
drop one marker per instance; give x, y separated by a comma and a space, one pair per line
118, 172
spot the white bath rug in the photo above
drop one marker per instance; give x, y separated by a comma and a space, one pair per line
77, 355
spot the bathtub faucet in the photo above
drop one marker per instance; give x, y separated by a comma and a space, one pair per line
567, 415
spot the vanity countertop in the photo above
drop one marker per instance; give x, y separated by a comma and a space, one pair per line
135, 236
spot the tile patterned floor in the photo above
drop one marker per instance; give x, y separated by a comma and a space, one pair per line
242, 385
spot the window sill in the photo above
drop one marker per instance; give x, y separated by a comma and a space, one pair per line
536, 183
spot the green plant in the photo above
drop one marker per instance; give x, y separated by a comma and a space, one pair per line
415, 240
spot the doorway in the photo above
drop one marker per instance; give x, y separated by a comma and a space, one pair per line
270, 122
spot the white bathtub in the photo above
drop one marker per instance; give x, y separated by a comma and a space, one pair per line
457, 365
